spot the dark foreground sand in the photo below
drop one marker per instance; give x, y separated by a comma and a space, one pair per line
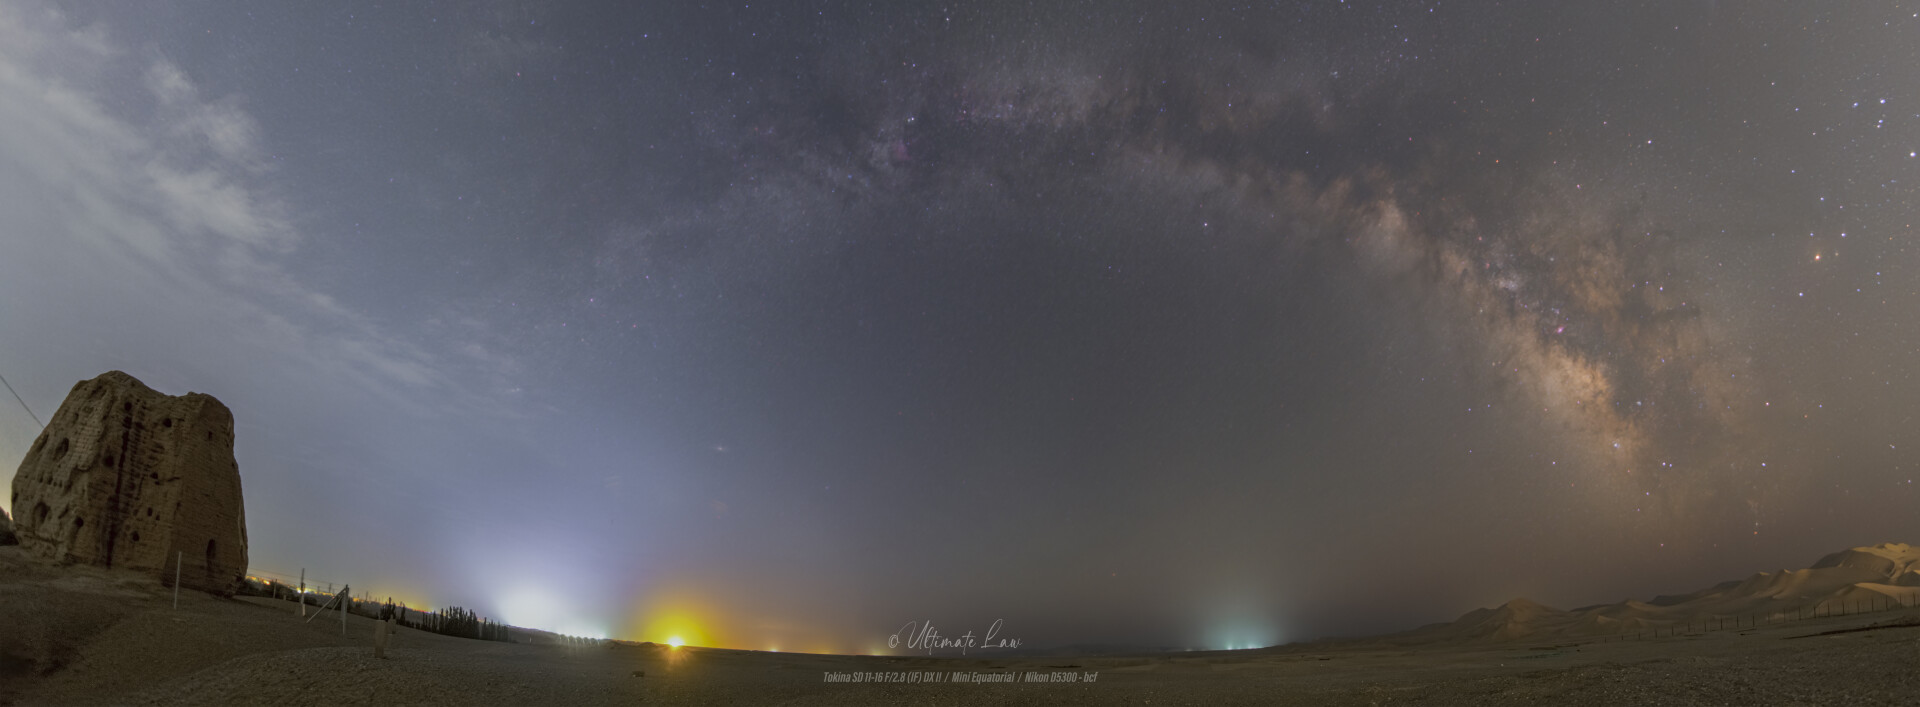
80, 636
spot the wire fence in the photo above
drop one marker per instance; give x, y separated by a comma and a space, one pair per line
322, 595
1650, 628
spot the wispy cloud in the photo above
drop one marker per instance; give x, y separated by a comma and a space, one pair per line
125, 177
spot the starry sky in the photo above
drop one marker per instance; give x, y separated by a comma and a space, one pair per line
1170, 324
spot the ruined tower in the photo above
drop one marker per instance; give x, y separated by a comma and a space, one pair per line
124, 476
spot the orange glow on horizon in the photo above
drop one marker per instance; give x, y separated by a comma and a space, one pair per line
677, 621
683, 616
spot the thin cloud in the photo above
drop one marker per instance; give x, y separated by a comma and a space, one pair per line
167, 208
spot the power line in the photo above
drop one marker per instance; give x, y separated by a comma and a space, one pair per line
23, 403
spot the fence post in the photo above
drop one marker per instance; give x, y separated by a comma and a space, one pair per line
381, 629
303, 592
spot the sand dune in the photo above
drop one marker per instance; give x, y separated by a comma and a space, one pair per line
1858, 580
82, 635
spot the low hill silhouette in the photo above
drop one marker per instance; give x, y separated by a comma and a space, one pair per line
1850, 581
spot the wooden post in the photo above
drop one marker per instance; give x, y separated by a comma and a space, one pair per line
381, 629
303, 591
177, 555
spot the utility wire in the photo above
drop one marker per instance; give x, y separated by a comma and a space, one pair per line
23, 403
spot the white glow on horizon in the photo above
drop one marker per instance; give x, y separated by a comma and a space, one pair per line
529, 607
1240, 622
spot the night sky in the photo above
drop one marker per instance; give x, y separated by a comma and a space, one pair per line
780, 325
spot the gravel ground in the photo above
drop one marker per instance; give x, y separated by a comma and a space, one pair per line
85, 636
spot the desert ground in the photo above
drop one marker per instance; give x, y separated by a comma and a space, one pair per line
81, 635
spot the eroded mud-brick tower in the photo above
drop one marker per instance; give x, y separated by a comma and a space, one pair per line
125, 476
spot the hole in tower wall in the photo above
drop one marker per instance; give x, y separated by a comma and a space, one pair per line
136, 536
126, 407
167, 422
210, 553
60, 450
107, 460
209, 435
40, 511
